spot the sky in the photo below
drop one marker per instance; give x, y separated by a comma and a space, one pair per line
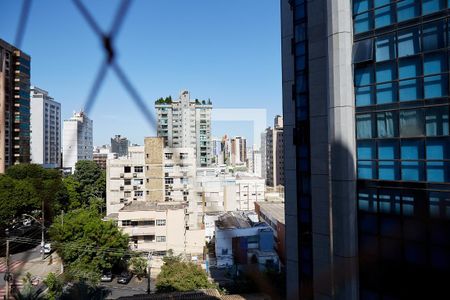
226, 51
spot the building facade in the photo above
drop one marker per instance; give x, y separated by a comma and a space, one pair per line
45, 123
14, 106
365, 101
119, 145
186, 124
274, 161
238, 151
77, 140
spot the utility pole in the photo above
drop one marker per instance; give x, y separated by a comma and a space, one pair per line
62, 224
43, 231
149, 265
7, 275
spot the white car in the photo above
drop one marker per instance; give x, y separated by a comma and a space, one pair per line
47, 248
26, 222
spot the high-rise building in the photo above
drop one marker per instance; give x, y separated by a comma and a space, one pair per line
274, 162
14, 106
186, 124
119, 145
77, 140
238, 150
366, 104
45, 122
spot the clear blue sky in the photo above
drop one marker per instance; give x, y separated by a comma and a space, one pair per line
228, 51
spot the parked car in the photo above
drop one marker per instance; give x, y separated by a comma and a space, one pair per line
124, 278
26, 222
47, 248
106, 276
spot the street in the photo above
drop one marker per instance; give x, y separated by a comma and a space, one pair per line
132, 288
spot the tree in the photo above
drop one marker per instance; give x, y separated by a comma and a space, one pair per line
139, 266
177, 275
87, 172
55, 286
87, 244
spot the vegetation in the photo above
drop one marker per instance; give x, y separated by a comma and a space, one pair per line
54, 285
177, 275
87, 244
139, 266
167, 100
26, 188
28, 291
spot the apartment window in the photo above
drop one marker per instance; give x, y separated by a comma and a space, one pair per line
149, 238
407, 9
138, 193
436, 121
126, 222
168, 155
127, 169
127, 181
161, 222
127, 194
366, 155
138, 169
160, 239
411, 154
168, 180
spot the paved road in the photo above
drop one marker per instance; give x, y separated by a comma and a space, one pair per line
132, 288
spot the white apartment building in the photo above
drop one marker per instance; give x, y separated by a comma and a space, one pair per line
249, 189
125, 179
158, 227
77, 140
238, 151
274, 153
45, 122
186, 124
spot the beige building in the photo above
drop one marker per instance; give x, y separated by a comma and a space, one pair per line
158, 227
274, 162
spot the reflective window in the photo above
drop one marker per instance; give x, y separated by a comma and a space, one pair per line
385, 47
433, 36
411, 152
407, 9
435, 86
409, 90
386, 124
384, 16
411, 123
387, 167
408, 42
430, 6
436, 121
362, 23
364, 126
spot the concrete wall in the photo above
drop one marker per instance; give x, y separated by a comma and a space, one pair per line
154, 151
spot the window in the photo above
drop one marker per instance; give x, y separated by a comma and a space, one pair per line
160, 239
434, 63
168, 180
127, 181
149, 238
161, 222
409, 67
365, 154
411, 123
367, 201
433, 36
126, 222
436, 152
384, 16
407, 9
387, 166
138, 193
385, 72
138, 169
430, 6
360, 6
364, 126
363, 51
436, 121
408, 42
435, 86
439, 205
411, 152
362, 22
168, 155
408, 205
386, 124
410, 89
127, 169
389, 202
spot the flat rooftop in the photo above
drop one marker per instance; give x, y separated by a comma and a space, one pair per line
151, 206
236, 220
273, 210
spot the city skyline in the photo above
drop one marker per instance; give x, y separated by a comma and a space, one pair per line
164, 69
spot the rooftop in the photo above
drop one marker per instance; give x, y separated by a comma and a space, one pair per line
237, 220
273, 210
150, 206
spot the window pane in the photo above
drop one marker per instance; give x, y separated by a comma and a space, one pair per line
436, 149
436, 121
364, 96
387, 167
360, 6
411, 150
412, 170
362, 23
433, 36
379, 3
389, 202
386, 124
434, 63
411, 123
407, 9
410, 90
430, 6
409, 67
385, 47
436, 171
384, 16
366, 170
300, 32
435, 86
387, 150
367, 201
363, 51
386, 93
363, 75
408, 42
365, 150
364, 126
385, 72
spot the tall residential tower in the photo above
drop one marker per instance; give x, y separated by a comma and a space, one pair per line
185, 123
366, 104
274, 160
45, 129
14, 106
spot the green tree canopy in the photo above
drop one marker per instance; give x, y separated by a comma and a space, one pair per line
87, 244
177, 275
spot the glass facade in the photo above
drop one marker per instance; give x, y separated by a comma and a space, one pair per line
302, 140
401, 79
